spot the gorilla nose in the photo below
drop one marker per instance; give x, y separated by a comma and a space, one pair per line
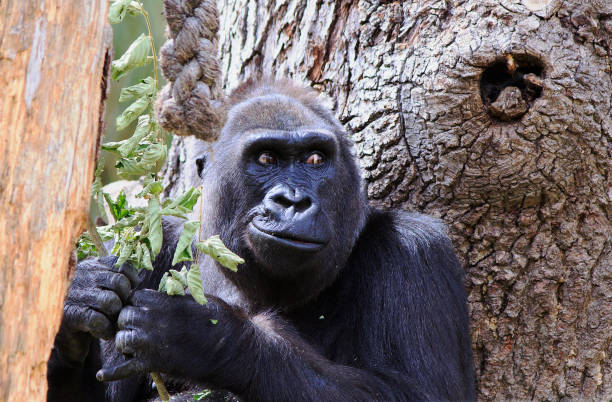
282, 199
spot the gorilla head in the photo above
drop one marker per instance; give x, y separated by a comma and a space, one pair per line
288, 184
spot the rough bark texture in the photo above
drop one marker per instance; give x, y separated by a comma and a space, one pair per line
53, 61
495, 116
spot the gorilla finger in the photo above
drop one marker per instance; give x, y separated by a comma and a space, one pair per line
128, 342
145, 298
108, 260
87, 320
131, 273
126, 369
105, 301
116, 282
107, 263
130, 317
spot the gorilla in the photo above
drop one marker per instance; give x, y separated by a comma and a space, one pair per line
336, 301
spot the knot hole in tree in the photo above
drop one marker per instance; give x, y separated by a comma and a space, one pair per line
509, 86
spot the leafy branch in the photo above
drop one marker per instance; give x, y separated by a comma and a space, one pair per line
137, 231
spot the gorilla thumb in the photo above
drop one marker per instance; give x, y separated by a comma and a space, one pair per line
126, 369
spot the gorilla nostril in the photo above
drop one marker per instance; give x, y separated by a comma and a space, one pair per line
282, 201
299, 203
303, 204
508, 87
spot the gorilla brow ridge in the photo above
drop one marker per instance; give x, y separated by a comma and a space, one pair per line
253, 88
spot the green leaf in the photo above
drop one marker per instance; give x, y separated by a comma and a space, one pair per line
183, 204
214, 247
138, 256
154, 187
128, 167
154, 154
162, 283
142, 129
174, 212
120, 8
146, 87
119, 208
130, 114
116, 247
200, 396
134, 9
129, 221
214, 322
174, 287
96, 189
117, 11
105, 232
112, 145
155, 234
194, 283
183, 248
189, 198
146, 258
126, 252
181, 277
85, 247
136, 55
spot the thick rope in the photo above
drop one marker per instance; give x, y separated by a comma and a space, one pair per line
192, 103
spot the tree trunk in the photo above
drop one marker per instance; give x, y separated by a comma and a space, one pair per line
54, 56
496, 117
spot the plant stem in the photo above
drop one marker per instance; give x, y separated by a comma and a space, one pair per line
145, 15
200, 228
95, 237
97, 240
159, 383
161, 387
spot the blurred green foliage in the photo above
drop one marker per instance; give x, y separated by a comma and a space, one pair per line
123, 36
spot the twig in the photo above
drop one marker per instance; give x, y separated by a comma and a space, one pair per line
95, 238
159, 383
160, 137
161, 387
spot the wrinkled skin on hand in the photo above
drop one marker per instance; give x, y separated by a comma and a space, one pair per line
98, 293
152, 337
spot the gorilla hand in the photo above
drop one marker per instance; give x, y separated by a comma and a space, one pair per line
96, 295
152, 336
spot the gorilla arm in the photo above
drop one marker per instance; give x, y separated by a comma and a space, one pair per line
257, 358
96, 295
399, 330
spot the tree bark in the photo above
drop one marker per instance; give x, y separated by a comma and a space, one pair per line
493, 115
54, 57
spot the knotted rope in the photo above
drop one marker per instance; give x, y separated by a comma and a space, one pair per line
192, 103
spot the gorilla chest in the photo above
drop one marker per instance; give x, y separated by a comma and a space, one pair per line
328, 329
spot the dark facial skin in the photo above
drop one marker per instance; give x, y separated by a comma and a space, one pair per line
294, 180
292, 168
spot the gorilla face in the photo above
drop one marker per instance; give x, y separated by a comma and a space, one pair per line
287, 176
290, 224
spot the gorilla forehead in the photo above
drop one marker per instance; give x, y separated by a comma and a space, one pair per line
264, 112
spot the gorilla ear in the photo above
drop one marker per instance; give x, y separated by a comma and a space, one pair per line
200, 164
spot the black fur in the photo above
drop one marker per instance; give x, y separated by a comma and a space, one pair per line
336, 300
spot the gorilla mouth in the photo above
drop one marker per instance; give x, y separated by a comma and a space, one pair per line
287, 239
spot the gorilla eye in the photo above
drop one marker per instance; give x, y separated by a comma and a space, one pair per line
266, 158
315, 158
